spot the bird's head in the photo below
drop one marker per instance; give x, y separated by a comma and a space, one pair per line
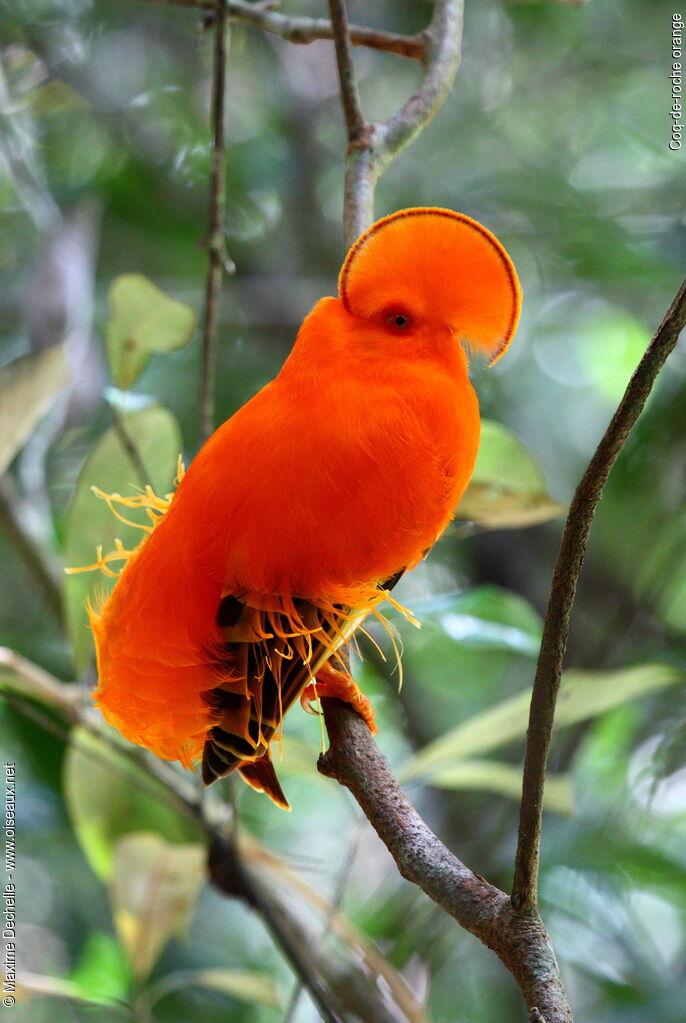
428, 273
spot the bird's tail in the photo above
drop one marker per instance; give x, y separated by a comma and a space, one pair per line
261, 776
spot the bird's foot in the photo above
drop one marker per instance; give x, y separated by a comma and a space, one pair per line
340, 686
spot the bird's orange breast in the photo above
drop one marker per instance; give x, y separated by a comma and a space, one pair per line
306, 491
313, 487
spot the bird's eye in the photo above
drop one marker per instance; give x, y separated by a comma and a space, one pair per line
399, 321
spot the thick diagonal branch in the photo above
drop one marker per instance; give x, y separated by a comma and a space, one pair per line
338, 985
563, 590
519, 939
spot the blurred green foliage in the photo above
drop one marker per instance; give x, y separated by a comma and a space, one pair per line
556, 137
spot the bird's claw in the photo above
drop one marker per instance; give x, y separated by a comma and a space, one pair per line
340, 686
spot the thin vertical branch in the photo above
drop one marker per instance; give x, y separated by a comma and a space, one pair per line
350, 96
358, 190
38, 561
562, 593
130, 447
215, 239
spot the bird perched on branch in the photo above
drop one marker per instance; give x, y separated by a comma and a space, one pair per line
306, 506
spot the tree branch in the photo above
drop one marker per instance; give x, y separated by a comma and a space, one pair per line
229, 876
339, 986
306, 30
350, 96
38, 684
219, 261
372, 150
129, 446
371, 147
519, 939
511, 927
562, 593
38, 561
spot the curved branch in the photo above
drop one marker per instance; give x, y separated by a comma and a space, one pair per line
307, 30
339, 986
518, 938
562, 593
371, 147
372, 150
443, 53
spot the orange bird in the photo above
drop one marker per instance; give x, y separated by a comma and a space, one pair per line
302, 510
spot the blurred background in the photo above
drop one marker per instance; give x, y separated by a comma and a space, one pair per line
556, 138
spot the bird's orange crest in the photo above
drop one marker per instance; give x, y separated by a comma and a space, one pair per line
429, 251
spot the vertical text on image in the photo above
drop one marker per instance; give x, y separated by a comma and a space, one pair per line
9, 891
676, 110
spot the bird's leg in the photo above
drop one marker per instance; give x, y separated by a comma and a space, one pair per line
341, 686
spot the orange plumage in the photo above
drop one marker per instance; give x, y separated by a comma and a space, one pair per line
315, 496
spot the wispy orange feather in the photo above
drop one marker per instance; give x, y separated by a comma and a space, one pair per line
335, 477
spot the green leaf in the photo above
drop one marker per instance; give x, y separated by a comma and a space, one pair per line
58, 987
53, 97
484, 616
479, 734
154, 888
27, 388
583, 695
587, 694
471, 635
504, 780
156, 437
507, 489
249, 986
142, 320
611, 343
102, 970
109, 796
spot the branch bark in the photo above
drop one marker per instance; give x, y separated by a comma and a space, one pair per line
215, 239
338, 985
350, 96
372, 147
229, 876
307, 30
38, 684
511, 927
562, 593
518, 938
42, 566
